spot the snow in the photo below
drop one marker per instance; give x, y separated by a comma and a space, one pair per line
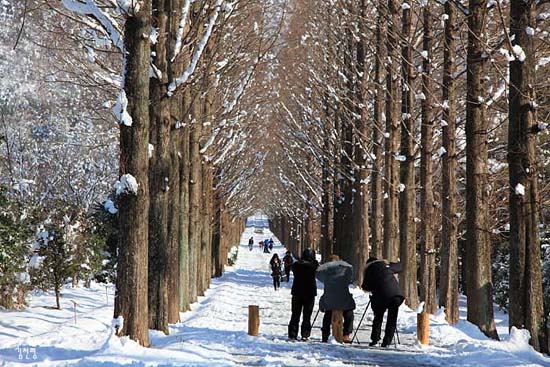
181, 28
110, 206
126, 185
530, 31
182, 79
214, 331
519, 189
441, 151
405, 6
120, 111
400, 158
520, 54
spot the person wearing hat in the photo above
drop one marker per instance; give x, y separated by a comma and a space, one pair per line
304, 290
379, 279
336, 275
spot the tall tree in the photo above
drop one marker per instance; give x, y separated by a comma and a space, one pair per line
407, 188
131, 293
427, 255
526, 302
479, 285
360, 201
159, 172
391, 177
376, 134
448, 292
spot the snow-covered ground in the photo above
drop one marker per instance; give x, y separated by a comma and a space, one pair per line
214, 332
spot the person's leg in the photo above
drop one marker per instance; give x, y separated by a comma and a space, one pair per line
348, 322
295, 318
287, 271
277, 282
391, 322
376, 327
308, 304
325, 329
274, 283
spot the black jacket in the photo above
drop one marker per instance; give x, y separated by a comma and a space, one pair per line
304, 284
379, 279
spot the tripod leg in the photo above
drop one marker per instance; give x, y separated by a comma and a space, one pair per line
359, 325
315, 318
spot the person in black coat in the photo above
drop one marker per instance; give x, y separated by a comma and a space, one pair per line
379, 279
276, 271
288, 260
304, 290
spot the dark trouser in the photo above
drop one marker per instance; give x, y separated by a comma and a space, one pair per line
391, 322
300, 304
276, 281
327, 320
287, 272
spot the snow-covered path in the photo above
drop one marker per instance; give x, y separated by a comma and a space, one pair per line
214, 332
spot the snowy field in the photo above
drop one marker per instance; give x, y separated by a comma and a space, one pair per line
214, 332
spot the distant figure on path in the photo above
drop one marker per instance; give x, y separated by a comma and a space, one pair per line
304, 290
261, 244
379, 279
266, 247
336, 275
275, 264
271, 244
288, 260
251, 243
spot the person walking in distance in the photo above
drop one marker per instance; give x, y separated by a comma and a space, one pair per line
379, 279
288, 260
304, 290
275, 264
251, 243
336, 275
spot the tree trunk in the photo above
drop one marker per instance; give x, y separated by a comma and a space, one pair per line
391, 242
407, 195
526, 301
184, 169
376, 174
159, 175
479, 286
360, 202
428, 252
175, 229
448, 292
133, 214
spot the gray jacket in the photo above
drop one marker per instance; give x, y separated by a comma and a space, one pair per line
336, 276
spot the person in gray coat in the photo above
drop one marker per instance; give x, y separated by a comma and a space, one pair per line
336, 275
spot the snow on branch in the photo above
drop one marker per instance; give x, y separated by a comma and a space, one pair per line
230, 106
181, 29
90, 8
182, 79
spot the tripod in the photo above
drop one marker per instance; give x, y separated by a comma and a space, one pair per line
361, 321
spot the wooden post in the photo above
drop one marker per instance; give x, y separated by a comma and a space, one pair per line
253, 319
423, 327
338, 325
